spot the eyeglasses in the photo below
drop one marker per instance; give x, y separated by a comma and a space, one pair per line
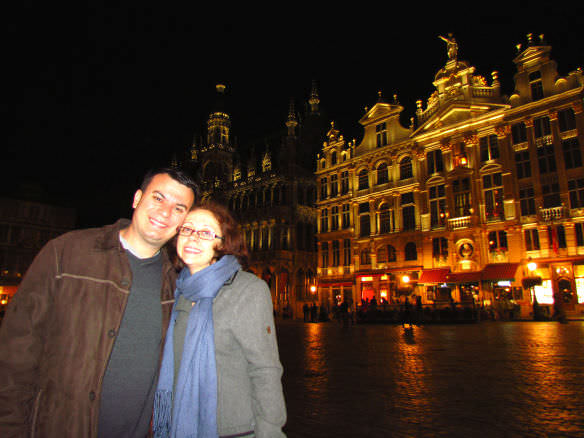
201, 234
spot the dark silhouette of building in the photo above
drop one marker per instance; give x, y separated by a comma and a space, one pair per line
270, 188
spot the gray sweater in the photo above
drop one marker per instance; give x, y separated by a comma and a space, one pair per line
249, 372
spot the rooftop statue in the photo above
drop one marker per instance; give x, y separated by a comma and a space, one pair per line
451, 46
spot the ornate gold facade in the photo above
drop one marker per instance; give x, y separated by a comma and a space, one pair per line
453, 208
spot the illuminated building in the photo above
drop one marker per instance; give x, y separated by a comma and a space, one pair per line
271, 191
25, 227
452, 208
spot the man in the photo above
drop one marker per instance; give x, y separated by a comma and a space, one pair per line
80, 343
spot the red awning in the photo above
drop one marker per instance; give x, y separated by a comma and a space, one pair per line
499, 271
463, 277
434, 275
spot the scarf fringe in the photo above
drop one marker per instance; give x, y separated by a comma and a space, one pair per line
162, 414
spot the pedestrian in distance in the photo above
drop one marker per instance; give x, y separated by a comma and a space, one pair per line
221, 372
80, 345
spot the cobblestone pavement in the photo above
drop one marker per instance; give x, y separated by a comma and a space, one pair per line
492, 379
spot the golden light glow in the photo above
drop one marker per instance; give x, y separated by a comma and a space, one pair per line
405, 279
532, 266
366, 278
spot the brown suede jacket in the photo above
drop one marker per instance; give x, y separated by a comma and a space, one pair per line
59, 330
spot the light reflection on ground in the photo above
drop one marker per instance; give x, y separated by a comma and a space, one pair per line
488, 379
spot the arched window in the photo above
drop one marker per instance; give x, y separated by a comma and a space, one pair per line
382, 175
411, 252
333, 158
405, 168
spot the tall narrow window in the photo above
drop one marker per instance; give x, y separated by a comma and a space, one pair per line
344, 182
333, 158
519, 133
365, 257
576, 190
527, 201
336, 253
347, 252
323, 188
381, 133
551, 195
489, 147
391, 254
382, 175
542, 131
385, 222
567, 120
408, 211
434, 161
579, 229
493, 192
498, 240
363, 179
324, 255
324, 220
531, 238
346, 220
461, 190
405, 168
546, 159
536, 85
334, 218
572, 155
437, 197
364, 220
523, 164
334, 185
556, 237
439, 247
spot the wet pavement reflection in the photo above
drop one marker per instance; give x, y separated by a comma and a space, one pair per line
493, 379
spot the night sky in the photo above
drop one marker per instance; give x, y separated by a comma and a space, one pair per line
94, 96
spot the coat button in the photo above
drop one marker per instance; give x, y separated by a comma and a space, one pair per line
111, 333
92, 396
125, 282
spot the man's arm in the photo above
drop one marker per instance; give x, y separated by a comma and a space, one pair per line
22, 337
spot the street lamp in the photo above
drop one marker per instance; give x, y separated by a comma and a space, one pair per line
531, 282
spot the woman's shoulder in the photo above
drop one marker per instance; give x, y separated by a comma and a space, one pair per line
248, 279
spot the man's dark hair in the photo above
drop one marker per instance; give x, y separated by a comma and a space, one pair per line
176, 174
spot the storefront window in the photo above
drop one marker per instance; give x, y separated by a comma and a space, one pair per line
544, 292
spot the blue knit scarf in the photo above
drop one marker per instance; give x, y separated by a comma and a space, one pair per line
192, 412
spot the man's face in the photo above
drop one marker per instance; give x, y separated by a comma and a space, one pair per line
159, 210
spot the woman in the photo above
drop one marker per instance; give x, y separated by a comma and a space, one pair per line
221, 371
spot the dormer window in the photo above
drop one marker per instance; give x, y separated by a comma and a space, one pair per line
333, 158
536, 85
381, 131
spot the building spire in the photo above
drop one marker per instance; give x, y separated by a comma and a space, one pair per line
292, 122
314, 100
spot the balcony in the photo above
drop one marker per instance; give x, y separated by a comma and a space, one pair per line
456, 223
552, 213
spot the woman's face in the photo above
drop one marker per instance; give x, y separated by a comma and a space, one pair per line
197, 253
